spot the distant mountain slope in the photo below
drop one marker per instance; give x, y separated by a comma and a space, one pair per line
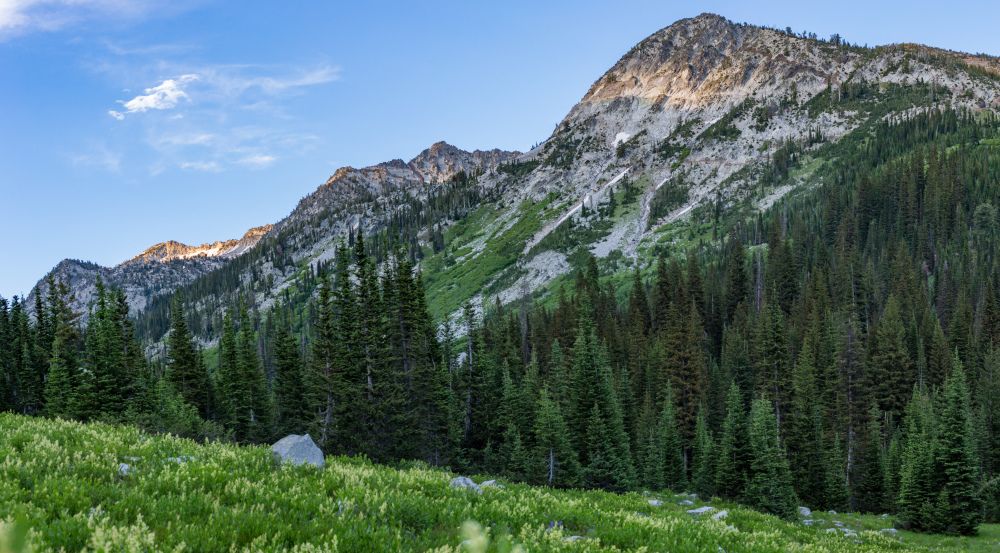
159, 269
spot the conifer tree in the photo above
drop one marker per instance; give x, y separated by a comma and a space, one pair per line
957, 457
703, 458
770, 486
555, 460
869, 488
733, 458
289, 394
185, 370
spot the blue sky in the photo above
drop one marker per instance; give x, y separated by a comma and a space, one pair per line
125, 123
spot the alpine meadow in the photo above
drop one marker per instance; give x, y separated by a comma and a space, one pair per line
744, 298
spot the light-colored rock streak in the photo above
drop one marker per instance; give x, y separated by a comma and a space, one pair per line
547, 229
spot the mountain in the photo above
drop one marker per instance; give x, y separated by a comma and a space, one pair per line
159, 269
700, 122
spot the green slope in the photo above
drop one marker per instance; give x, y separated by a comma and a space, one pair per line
60, 482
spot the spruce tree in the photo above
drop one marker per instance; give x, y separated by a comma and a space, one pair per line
770, 486
957, 457
185, 371
703, 458
289, 395
556, 462
733, 458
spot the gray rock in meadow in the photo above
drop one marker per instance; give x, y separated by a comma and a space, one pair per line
808, 522
124, 469
701, 510
491, 484
655, 502
832, 512
298, 450
573, 538
889, 531
720, 515
838, 524
685, 502
465, 483
805, 511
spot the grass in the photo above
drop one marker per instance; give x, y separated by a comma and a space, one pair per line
60, 485
458, 273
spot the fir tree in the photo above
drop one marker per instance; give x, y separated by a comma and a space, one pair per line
733, 458
957, 458
555, 459
703, 458
770, 486
185, 371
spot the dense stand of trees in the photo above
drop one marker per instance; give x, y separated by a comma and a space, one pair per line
841, 351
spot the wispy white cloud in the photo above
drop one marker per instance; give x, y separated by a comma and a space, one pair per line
205, 166
257, 161
165, 95
100, 156
25, 16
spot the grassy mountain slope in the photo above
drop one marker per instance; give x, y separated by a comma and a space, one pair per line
60, 483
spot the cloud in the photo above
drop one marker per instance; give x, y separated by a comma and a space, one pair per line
99, 156
18, 17
205, 166
165, 95
257, 161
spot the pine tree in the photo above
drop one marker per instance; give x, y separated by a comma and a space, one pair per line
556, 461
957, 457
890, 368
185, 371
917, 474
733, 458
60, 388
804, 434
671, 445
289, 394
869, 489
703, 458
770, 486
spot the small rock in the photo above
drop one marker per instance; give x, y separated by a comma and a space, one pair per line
655, 502
297, 450
180, 459
831, 530
491, 484
720, 515
808, 522
832, 512
701, 510
805, 511
465, 483
838, 524
889, 531
685, 502
124, 469
573, 538
884, 515
849, 533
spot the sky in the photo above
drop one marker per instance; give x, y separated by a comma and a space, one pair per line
127, 123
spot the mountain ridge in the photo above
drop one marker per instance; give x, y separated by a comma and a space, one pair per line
691, 117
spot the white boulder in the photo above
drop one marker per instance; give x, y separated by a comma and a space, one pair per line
298, 450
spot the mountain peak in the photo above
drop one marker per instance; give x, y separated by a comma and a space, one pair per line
171, 250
